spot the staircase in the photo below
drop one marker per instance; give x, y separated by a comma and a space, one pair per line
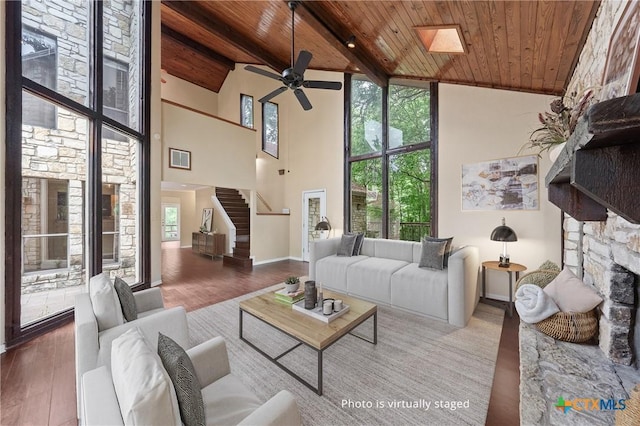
238, 211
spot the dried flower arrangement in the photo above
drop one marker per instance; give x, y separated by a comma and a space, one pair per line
560, 123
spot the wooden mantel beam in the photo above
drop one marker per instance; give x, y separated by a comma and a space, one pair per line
316, 17
216, 25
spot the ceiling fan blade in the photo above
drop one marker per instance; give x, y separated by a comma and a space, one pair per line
302, 98
302, 62
272, 94
263, 72
315, 84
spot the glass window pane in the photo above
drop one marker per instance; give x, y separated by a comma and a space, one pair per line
119, 210
409, 115
53, 200
246, 111
410, 195
121, 65
366, 197
270, 128
366, 117
54, 46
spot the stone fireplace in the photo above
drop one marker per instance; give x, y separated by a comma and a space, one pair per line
609, 253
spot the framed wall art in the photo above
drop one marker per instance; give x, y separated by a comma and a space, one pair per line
504, 184
179, 159
622, 69
207, 219
270, 128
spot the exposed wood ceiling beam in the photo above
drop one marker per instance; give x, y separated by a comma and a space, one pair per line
197, 47
313, 14
215, 25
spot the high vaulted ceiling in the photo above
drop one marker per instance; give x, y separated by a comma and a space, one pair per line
530, 46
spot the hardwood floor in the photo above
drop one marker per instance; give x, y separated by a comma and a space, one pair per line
37, 379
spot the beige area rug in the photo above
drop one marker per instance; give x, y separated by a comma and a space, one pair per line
421, 372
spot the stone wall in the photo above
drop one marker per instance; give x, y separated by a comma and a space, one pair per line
60, 153
606, 254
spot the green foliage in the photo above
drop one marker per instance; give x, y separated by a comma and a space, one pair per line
409, 173
292, 280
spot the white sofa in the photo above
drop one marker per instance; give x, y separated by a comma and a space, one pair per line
227, 401
387, 272
93, 347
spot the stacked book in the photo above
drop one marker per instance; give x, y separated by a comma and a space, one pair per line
289, 298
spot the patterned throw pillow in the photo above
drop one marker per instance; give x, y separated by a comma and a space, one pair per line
347, 243
433, 253
127, 300
447, 250
183, 375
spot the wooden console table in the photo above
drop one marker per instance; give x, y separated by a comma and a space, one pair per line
208, 244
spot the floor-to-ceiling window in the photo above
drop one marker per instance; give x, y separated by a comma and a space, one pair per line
77, 153
391, 159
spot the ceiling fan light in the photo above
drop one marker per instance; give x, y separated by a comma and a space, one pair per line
351, 42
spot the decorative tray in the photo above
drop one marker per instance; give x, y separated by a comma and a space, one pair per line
317, 312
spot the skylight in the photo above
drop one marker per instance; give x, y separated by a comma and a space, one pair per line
442, 39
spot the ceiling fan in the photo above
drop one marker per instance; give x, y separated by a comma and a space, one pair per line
293, 77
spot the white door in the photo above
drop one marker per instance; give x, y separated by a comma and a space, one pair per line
314, 208
170, 222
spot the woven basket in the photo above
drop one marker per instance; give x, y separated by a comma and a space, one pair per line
575, 327
630, 416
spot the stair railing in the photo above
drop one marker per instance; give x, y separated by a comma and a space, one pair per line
264, 201
231, 241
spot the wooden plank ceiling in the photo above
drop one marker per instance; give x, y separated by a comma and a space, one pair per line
530, 46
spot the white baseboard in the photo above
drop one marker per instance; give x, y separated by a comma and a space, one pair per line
279, 259
186, 246
264, 262
156, 283
3, 349
500, 297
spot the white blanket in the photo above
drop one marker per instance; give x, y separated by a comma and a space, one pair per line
533, 304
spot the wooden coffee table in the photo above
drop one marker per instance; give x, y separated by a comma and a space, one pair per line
306, 330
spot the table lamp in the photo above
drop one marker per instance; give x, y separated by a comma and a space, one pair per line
504, 234
323, 226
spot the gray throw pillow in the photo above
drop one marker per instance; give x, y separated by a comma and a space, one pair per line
432, 255
447, 251
127, 300
346, 245
358, 245
184, 379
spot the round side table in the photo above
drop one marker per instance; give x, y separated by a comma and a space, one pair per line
495, 265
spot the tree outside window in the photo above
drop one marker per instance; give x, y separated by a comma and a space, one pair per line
391, 172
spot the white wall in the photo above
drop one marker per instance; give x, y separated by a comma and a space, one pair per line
222, 154
310, 148
269, 183
189, 219
478, 124
156, 149
180, 91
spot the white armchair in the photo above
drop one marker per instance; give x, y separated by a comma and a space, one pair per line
93, 347
227, 401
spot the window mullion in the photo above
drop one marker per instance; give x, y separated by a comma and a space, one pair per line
94, 157
385, 161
